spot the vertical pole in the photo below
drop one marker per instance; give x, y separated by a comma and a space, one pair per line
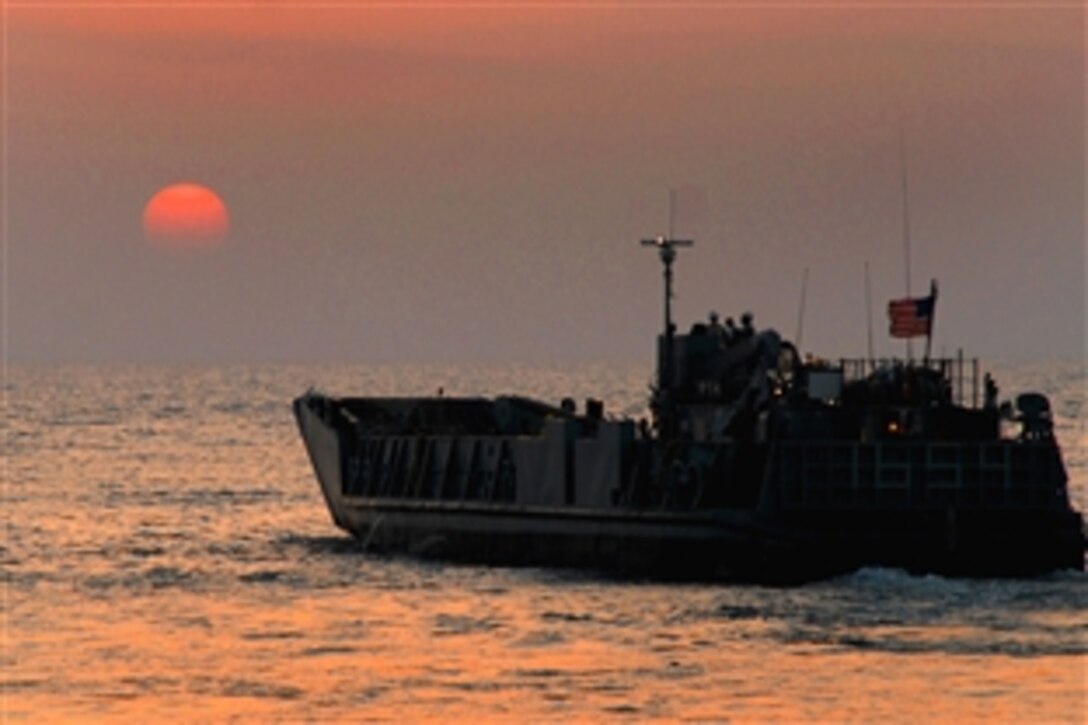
662, 402
974, 383
869, 313
672, 213
665, 418
932, 316
801, 309
666, 368
906, 217
668, 291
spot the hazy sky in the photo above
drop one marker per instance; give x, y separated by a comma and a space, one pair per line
469, 183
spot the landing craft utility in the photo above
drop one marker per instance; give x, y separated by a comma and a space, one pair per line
756, 465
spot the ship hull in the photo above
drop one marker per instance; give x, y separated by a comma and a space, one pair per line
718, 544
659, 546
721, 546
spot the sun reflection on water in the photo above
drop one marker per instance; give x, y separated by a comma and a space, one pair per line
168, 556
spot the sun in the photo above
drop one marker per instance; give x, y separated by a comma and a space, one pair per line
186, 216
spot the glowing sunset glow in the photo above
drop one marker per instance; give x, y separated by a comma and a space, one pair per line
399, 147
186, 216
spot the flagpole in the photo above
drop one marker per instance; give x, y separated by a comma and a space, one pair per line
869, 312
932, 316
906, 217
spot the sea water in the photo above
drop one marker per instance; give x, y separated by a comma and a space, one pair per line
167, 555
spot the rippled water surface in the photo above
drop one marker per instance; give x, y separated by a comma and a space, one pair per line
167, 554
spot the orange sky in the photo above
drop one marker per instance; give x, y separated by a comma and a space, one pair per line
480, 176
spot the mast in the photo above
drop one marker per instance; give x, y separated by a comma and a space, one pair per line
667, 253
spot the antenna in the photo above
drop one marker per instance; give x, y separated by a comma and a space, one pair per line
672, 212
906, 215
869, 310
801, 308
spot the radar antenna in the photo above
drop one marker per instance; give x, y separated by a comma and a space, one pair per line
667, 252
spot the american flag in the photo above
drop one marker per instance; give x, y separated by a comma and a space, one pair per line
912, 316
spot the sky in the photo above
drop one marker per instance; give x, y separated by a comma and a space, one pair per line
445, 182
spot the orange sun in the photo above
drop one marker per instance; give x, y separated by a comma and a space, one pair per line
186, 216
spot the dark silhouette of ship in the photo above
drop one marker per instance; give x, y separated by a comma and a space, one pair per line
754, 465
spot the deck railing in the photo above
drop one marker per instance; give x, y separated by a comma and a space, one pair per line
961, 373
